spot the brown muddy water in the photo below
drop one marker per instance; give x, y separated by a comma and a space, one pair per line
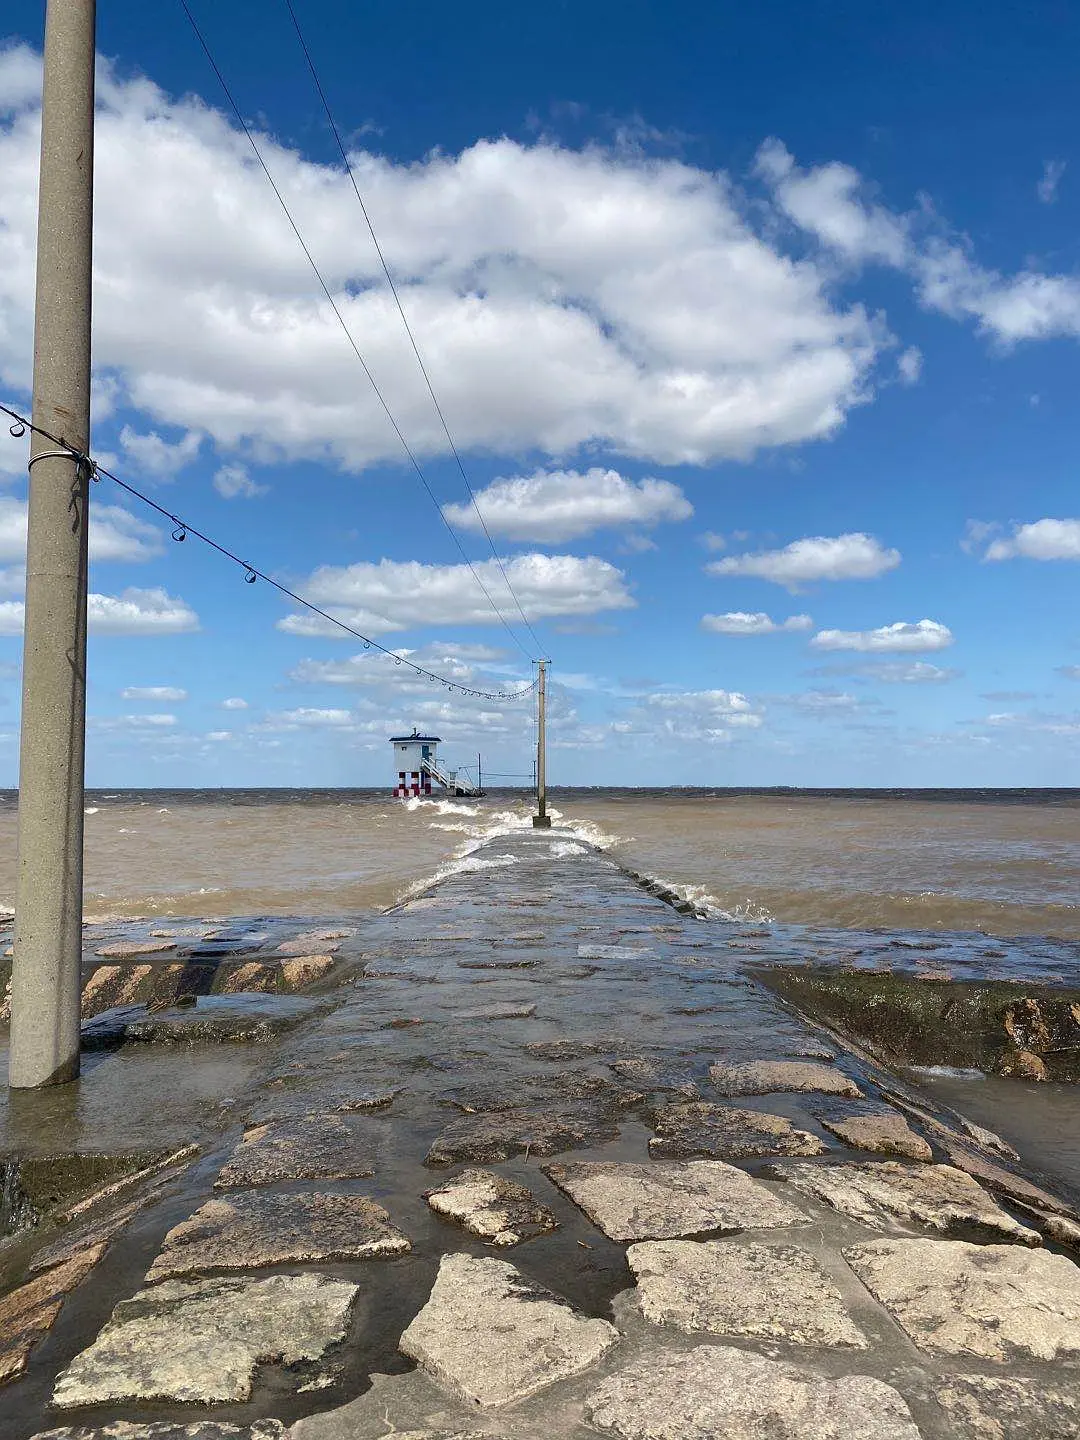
1001, 863
884, 880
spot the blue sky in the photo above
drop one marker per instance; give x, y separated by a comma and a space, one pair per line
757, 331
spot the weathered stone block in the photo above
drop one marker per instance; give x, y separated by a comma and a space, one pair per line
725, 1288
718, 1393
669, 1201
492, 1335
765, 1077
200, 1342
314, 1147
488, 1205
724, 1133
883, 1192
994, 1301
887, 1133
986, 1407
254, 1229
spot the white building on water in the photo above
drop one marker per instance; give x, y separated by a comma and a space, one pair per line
416, 761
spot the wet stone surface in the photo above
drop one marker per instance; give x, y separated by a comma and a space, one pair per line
724, 1133
213, 1019
720, 1286
997, 1302
314, 1147
668, 1201
488, 1138
168, 1430
766, 1077
988, 1407
491, 1335
887, 1193
492, 1207
715, 1391
201, 1342
254, 1229
886, 1133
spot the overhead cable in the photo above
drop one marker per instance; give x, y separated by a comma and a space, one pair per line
405, 319
344, 325
181, 530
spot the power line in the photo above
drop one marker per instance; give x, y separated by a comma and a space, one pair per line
181, 531
405, 319
344, 326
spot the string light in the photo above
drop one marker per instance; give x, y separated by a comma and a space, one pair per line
182, 530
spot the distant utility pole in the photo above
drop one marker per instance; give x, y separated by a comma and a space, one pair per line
45, 987
541, 820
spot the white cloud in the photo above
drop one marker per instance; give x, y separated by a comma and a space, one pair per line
1046, 189
832, 203
842, 557
234, 702
563, 297
1041, 540
739, 622
133, 722
115, 534
133, 612
160, 459
309, 717
903, 636
909, 366
232, 482
393, 595
140, 612
1070, 672
558, 505
915, 672
153, 692
705, 716
820, 702
829, 202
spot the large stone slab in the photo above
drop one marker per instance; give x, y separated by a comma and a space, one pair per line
200, 1342
28, 1313
719, 1286
129, 949
312, 1147
168, 1430
989, 1407
213, 1019
487, 1138
721, 1132
718, 1393
886, 1133
489, 1205
885, 1193
671, 1201
764, 1077
994, 1301
492, 1335
254, 1228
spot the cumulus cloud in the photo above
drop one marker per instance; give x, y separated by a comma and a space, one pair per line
835, 204
740, 622
115, 534
1041, 540
914, 672
153, 692
394, 595
309, 717
709, 716
909, 366
563, 297
903, 636
233, 482
157, 458
133, 612
854, 556
558, 505
234, 702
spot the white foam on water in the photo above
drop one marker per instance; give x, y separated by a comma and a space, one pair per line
91, 810
563, 849
947, 1072
743, 912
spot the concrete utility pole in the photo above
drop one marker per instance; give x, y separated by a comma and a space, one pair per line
45, 987
541, 820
